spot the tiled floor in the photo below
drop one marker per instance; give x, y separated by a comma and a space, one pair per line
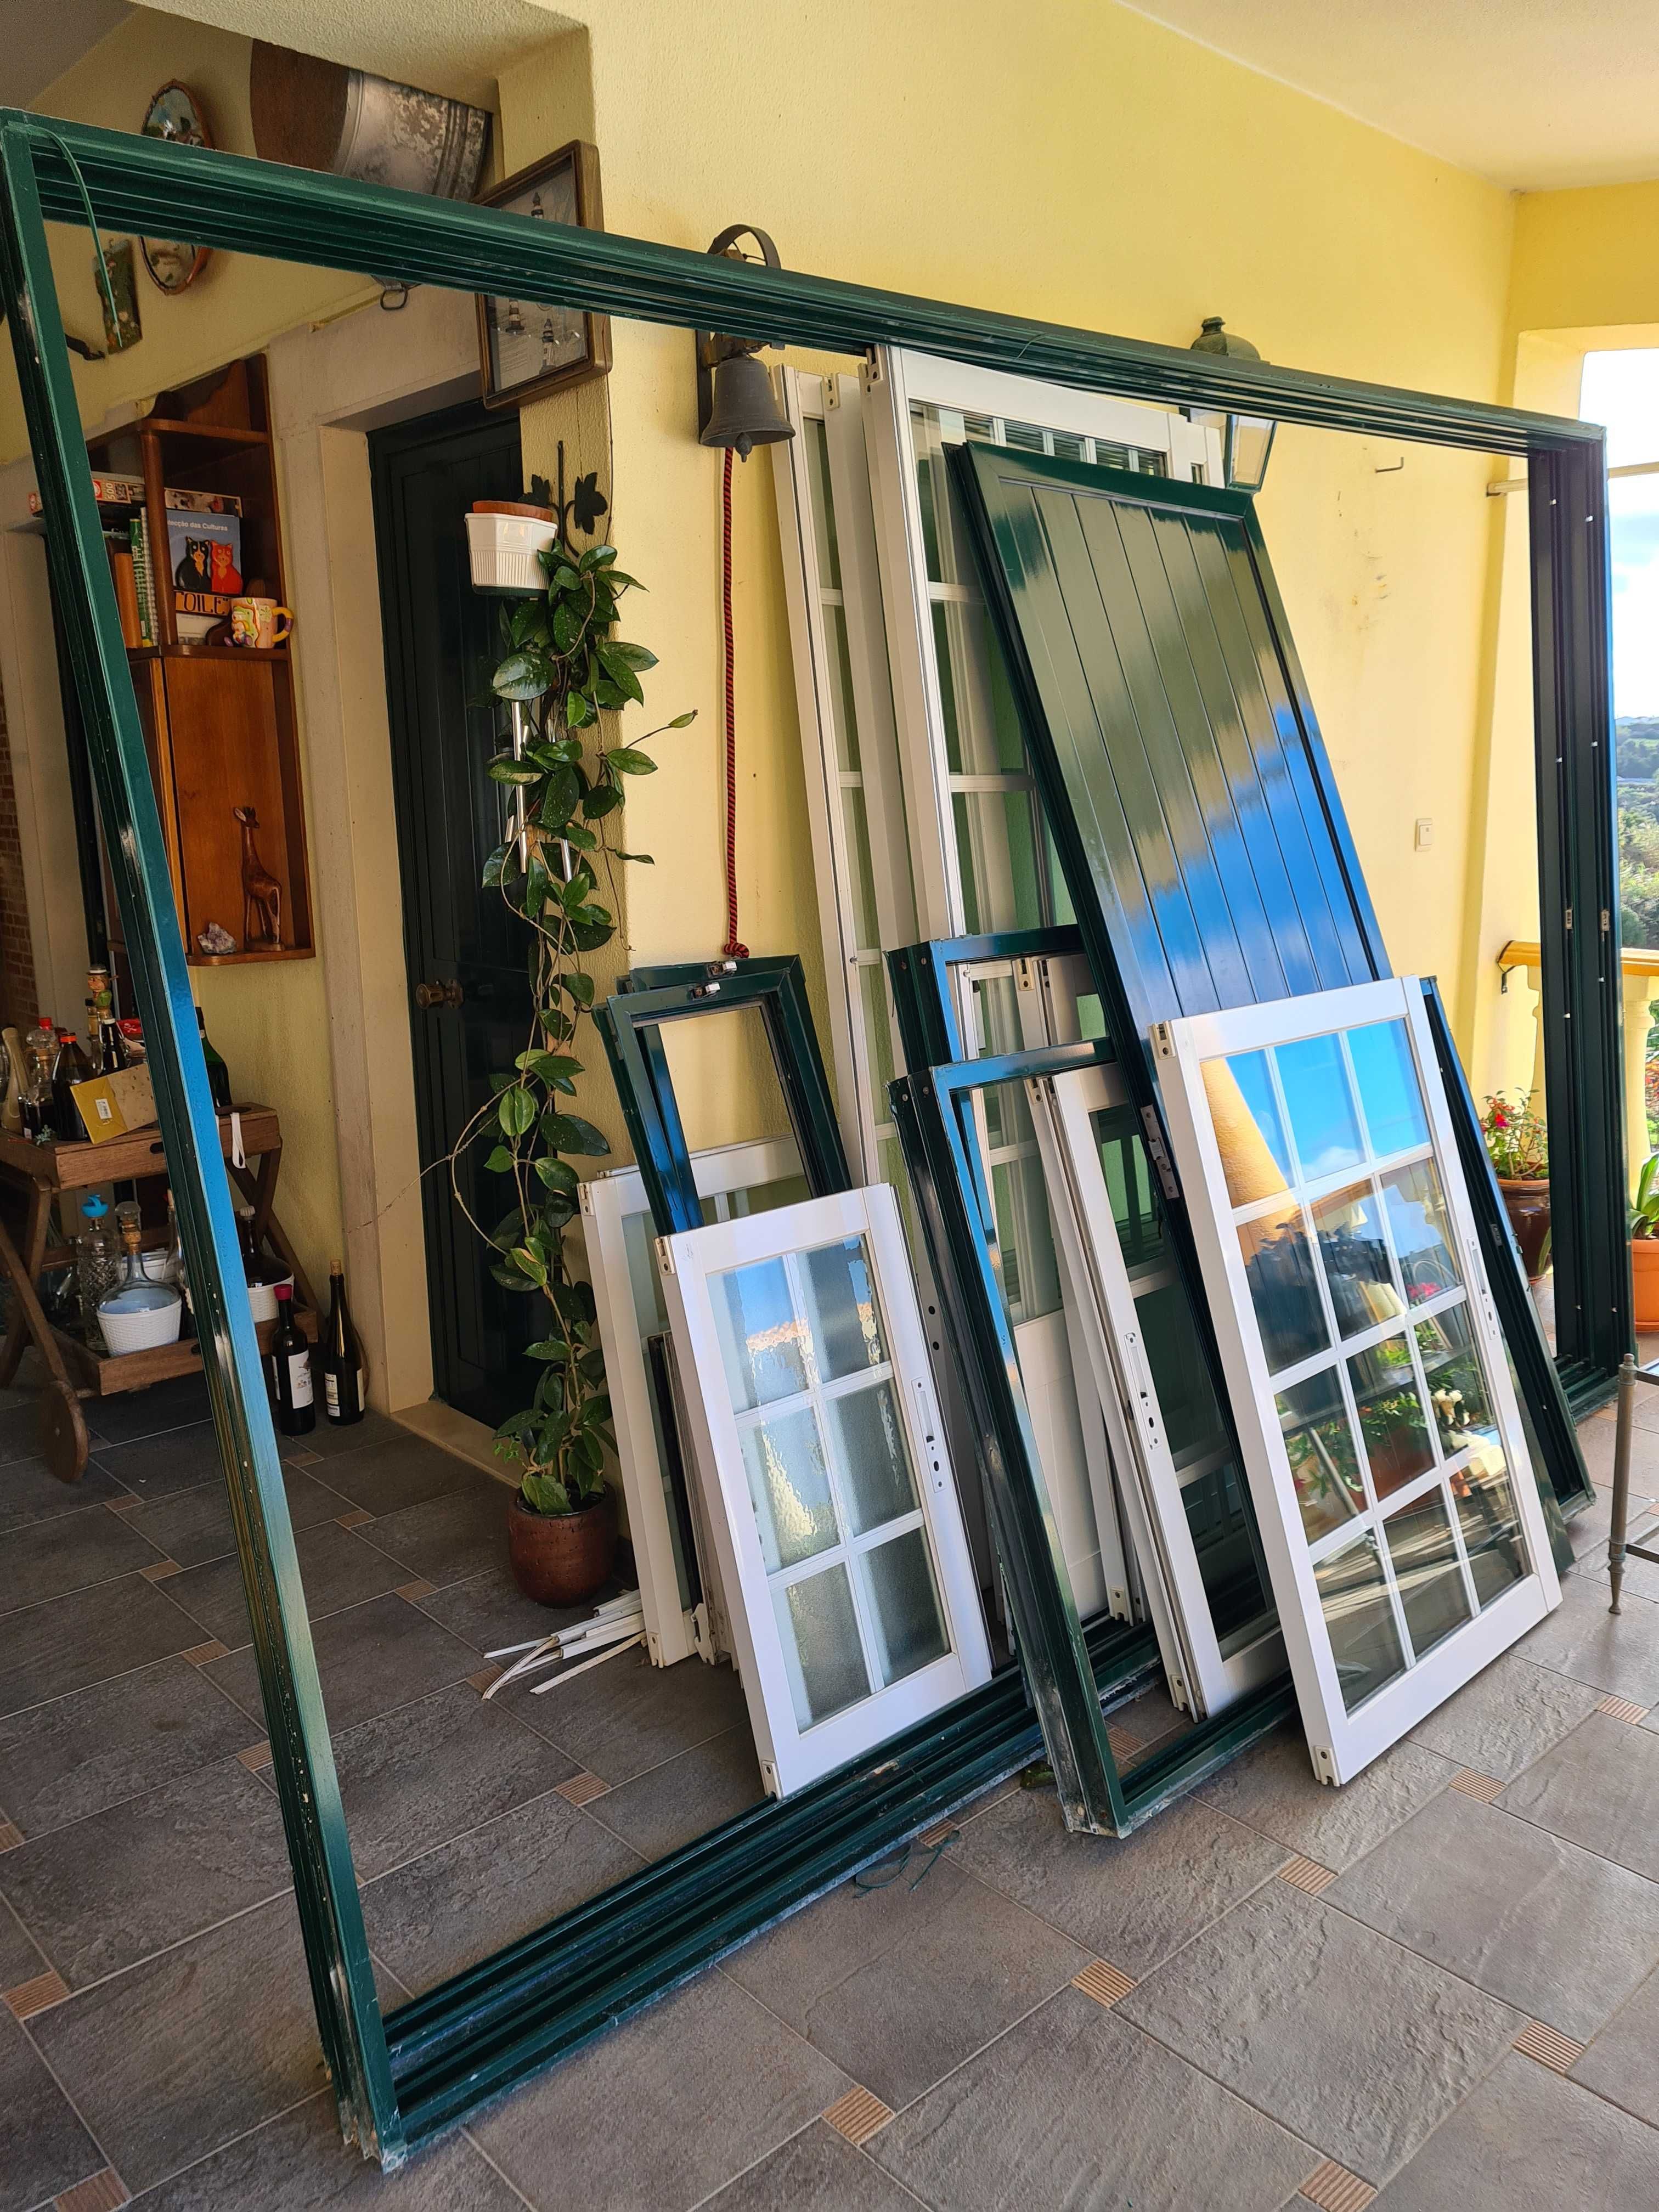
1438, 1987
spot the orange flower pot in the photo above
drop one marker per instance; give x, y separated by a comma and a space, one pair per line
1645, 1283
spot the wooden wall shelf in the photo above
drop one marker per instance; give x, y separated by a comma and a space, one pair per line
219, 721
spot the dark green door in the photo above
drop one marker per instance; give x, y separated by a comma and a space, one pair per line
441, 641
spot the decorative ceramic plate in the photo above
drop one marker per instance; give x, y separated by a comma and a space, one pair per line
175, 111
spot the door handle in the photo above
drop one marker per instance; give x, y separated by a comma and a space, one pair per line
430, 995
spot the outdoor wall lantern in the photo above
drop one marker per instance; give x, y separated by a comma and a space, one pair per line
736, 404
1246, 439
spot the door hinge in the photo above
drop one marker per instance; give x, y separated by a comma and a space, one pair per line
1607, 921
666, 1255
1159, 1151
1024, 976
1568, 916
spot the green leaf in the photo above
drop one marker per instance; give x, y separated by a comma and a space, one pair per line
563, 579
500, 1161
494, 867
578, 711
556, 1175
544, 1493
605, 800
683, 721
521, 676
511, 1279
570, 1132
566, 625
619, 669
636, 656
505, 769
554, 1067
597, 557
579, 986
574, 834
626, 760
640, 860
548, 1347
516, 1109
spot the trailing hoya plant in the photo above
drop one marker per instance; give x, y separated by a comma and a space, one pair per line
563, 669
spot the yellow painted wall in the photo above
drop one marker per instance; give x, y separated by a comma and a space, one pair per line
1095, 169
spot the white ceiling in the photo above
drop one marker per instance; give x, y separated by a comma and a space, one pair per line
1532, 94
39, 40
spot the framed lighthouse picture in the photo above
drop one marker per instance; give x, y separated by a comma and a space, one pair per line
528, 348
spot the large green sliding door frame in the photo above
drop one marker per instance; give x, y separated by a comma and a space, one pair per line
400, 2080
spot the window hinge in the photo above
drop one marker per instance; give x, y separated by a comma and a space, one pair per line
1569, 917
1025, 974
873, 370
1607, 921
1159, 1152
666, 1255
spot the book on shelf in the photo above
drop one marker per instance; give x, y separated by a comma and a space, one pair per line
143, 578
128, 491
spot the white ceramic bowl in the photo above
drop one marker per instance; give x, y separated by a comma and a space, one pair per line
142, 1332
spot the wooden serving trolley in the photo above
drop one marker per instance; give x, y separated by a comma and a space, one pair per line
44, 1173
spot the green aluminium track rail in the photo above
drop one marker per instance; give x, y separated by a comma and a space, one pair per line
931, 1109
399, 2081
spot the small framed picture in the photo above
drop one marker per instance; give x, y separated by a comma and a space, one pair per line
527, 348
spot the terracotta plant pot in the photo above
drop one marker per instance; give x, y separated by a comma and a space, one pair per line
1645, 1283
560, 1559
1527, 1205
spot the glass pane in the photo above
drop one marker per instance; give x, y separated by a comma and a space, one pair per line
930, 472
789, 1484
845, 1325
1319, 1443
823, 506
1491, 1526
1284, 1290
842, 709
1026, 1238
1457, 1384
1421, 1232
997, 860
817, 1622
1392, 1419
1007, 1112
861, 888
983, 735
1322, 1120
1355, 1253
996, 1019
1255, 1157
1192, 1419
1354, 1599
1388, 1093
1216, 1515
1423, 1557
909, 1627
753, 1198
867, 1439
878, 1036
1130, 1186
762, 1339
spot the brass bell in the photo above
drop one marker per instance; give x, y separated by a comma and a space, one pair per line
744, 413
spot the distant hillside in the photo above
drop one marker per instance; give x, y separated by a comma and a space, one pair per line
1636, 737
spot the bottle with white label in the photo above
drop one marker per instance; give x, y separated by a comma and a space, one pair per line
341, 1356
290, 1364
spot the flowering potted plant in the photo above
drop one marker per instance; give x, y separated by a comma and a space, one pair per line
1644, 1247
1517, 1143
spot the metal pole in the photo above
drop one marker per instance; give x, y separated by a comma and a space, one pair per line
1618, 1518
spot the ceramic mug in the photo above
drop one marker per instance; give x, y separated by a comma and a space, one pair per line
253, 621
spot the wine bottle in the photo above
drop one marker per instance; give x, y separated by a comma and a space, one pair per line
342, 1358
218, 1075
290, 1363
70, 1066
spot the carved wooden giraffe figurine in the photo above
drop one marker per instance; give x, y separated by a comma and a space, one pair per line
262, 895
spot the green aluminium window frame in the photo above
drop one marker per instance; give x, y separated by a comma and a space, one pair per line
400, 2080
630, 1026
931, 1111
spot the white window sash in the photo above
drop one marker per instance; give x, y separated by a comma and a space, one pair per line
789, 1756
1342, 1743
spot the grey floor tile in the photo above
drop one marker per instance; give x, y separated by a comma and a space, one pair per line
685, 1797
1032, 2122
419, 1775
1620, 2062
1528, 2142
1598, 1787
332, 1443
1350, 2042
20, 1431
1505, 1717
1272, 1786
111, 1890
1641, 1578
817, 2170
161, 1466
1537, 1922
1587, 1529
50, 1559
490, 1611
30, 1491
336, 1569
900, 1984
1618, 1653
628, 1714
1597, 1437
177, 2055
298, 2164
487, 1887
398, 1471
371, 1657
74, 1755
44, 2148
659, 2114
132, 1413
1131, 1902
446, 1538
20, 1959
194, 1526
48, 1650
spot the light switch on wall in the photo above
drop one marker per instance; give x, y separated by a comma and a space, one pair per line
1423, 835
